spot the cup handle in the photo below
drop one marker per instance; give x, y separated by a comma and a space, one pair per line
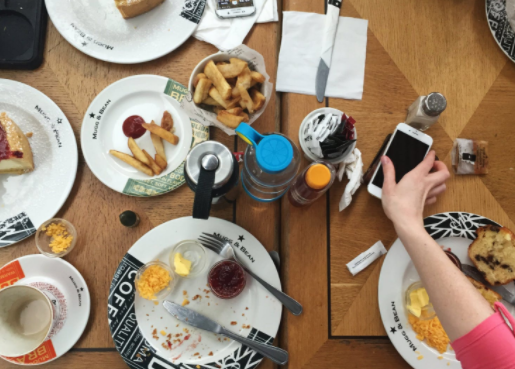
204, 194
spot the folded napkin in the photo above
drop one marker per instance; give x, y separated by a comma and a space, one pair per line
352, 167
301, 47
226, 34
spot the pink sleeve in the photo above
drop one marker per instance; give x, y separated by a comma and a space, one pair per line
491, 345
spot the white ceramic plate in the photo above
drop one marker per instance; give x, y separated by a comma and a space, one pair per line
500, 27
27, 200
132, 319
69, 294
455, 231
97, 28
147, 96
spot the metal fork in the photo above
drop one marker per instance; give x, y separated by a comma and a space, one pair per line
226, 250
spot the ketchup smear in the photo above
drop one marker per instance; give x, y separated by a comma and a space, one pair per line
132, 127
227, 279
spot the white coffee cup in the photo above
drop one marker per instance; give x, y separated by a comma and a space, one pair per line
26, 318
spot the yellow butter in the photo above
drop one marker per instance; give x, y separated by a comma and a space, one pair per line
182, 265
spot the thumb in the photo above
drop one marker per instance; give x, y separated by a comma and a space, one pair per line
389, 173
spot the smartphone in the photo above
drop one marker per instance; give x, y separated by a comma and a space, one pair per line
407, 148
234, 8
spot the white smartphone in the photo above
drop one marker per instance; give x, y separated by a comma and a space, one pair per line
234, 8
407, 148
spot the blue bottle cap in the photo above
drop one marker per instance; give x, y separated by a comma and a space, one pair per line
274, 153
249, 134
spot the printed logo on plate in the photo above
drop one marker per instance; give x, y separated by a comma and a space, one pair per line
175, 179
500, 27
15, 229
193, 10
60, 307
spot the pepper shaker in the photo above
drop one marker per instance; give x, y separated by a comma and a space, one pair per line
426, 110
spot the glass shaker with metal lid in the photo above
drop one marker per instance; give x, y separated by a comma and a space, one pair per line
426, 110
212, 172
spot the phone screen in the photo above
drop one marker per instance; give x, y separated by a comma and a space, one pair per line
231, 4
406, 153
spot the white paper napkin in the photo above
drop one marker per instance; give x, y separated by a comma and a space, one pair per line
226, 34
301, 49
352, 167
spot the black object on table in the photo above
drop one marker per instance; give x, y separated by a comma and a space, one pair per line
22, 33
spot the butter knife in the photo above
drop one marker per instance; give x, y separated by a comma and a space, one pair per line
197, 320
473, 273
331, 24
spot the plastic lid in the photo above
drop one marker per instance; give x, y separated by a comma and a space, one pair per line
274, 153
318, 176
249, 134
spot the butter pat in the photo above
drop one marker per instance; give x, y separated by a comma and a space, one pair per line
419, 299
366, 258
182, 265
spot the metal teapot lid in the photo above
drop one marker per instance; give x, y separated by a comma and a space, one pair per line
210, 155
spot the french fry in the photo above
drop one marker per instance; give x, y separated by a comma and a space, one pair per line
160, 161
133, 162
236, 92
167, 121
210, 101
230, 120
202, 90
215, 95
153, 165
161, 132
257, 77
197, 79
233, 102
258, 99
212, 72
235, 111
137, 152
158, 145
244, 79
245, 117
233, 69
247, 100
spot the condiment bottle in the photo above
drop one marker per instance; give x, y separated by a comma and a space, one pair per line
271, 163
312, 183
212, 172
426, 110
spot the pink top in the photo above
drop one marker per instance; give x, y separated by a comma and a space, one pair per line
491, 345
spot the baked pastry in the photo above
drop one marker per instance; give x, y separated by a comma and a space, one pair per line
491, 296
133, 8
493, 253
15, 152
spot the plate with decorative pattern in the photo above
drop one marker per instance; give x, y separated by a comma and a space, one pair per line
500, 26
69, 294
148, 96
146, 335
97, 28
454, 231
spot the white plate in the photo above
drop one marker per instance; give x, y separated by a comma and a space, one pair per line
453, 230
97, 28
500, 27
132, 328
147, 96
27, 200
65, 287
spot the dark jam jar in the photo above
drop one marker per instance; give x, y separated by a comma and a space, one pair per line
227, 279
456, 261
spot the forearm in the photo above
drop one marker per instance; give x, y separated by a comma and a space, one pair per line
459, 306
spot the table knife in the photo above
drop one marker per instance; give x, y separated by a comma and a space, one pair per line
331, 24
473, 273
197, 320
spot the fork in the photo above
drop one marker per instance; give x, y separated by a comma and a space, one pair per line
226, 250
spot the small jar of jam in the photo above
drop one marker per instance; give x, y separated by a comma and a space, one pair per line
227, 279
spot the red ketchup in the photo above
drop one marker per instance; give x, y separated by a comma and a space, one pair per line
227, 279
132, 127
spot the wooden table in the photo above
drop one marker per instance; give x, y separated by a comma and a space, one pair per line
414, 47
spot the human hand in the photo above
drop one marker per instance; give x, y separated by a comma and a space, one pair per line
404, 202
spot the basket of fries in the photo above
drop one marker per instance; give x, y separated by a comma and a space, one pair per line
228, 88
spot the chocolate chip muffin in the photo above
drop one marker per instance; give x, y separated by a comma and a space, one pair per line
491, 296
493, 253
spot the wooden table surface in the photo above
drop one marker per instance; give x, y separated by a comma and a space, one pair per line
414, 47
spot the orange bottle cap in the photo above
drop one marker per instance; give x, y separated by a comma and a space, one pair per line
318, 176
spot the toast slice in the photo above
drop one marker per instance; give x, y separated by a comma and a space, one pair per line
491, 296
133, 8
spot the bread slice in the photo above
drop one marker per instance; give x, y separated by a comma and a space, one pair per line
15, 151
133, 8
491, 296
493, 253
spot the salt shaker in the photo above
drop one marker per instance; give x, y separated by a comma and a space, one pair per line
426, 110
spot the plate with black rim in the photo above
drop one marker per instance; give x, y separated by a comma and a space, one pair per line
454, 231
146, 335
28, 200
97, 28
500, 27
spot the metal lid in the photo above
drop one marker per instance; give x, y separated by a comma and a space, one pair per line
211, 155
434, 104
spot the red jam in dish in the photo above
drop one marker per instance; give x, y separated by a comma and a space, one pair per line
132, 127
227, 279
